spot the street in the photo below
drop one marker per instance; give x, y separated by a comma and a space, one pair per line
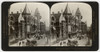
45, 41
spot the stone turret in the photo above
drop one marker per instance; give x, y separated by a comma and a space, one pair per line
26, 11
62, 18
26, 15
21, 25
79, 16
38, 17
62, 22
78, 13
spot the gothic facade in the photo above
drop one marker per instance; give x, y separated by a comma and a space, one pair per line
24, 24
65, 24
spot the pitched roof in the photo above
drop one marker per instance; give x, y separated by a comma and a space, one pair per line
20, 18
37, 13
67, 10
61, 17
78, 12
26, 10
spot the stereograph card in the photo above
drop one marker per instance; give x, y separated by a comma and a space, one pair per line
49, 26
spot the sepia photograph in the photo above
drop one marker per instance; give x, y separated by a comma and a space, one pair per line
53, 26
28, 24
71, 24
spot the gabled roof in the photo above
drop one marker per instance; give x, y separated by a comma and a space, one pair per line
61, 18
20, 18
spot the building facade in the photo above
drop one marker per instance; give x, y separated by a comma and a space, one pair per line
23, 25
65, 24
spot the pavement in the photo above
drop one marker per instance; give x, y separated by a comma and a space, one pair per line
40, 42
54, 42
81, 42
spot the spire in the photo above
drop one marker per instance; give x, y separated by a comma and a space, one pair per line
67, 10
26, 10
37, 14
61, 17
78, 13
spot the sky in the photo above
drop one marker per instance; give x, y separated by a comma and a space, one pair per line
44, 10
42, 7
85, 9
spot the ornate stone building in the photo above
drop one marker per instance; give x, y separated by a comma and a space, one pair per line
65, 24
62, 25
23, 25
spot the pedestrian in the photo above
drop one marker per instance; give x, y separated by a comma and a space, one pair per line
60, 43
19, 43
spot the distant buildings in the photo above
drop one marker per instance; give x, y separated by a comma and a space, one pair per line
23, 25
64, 23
